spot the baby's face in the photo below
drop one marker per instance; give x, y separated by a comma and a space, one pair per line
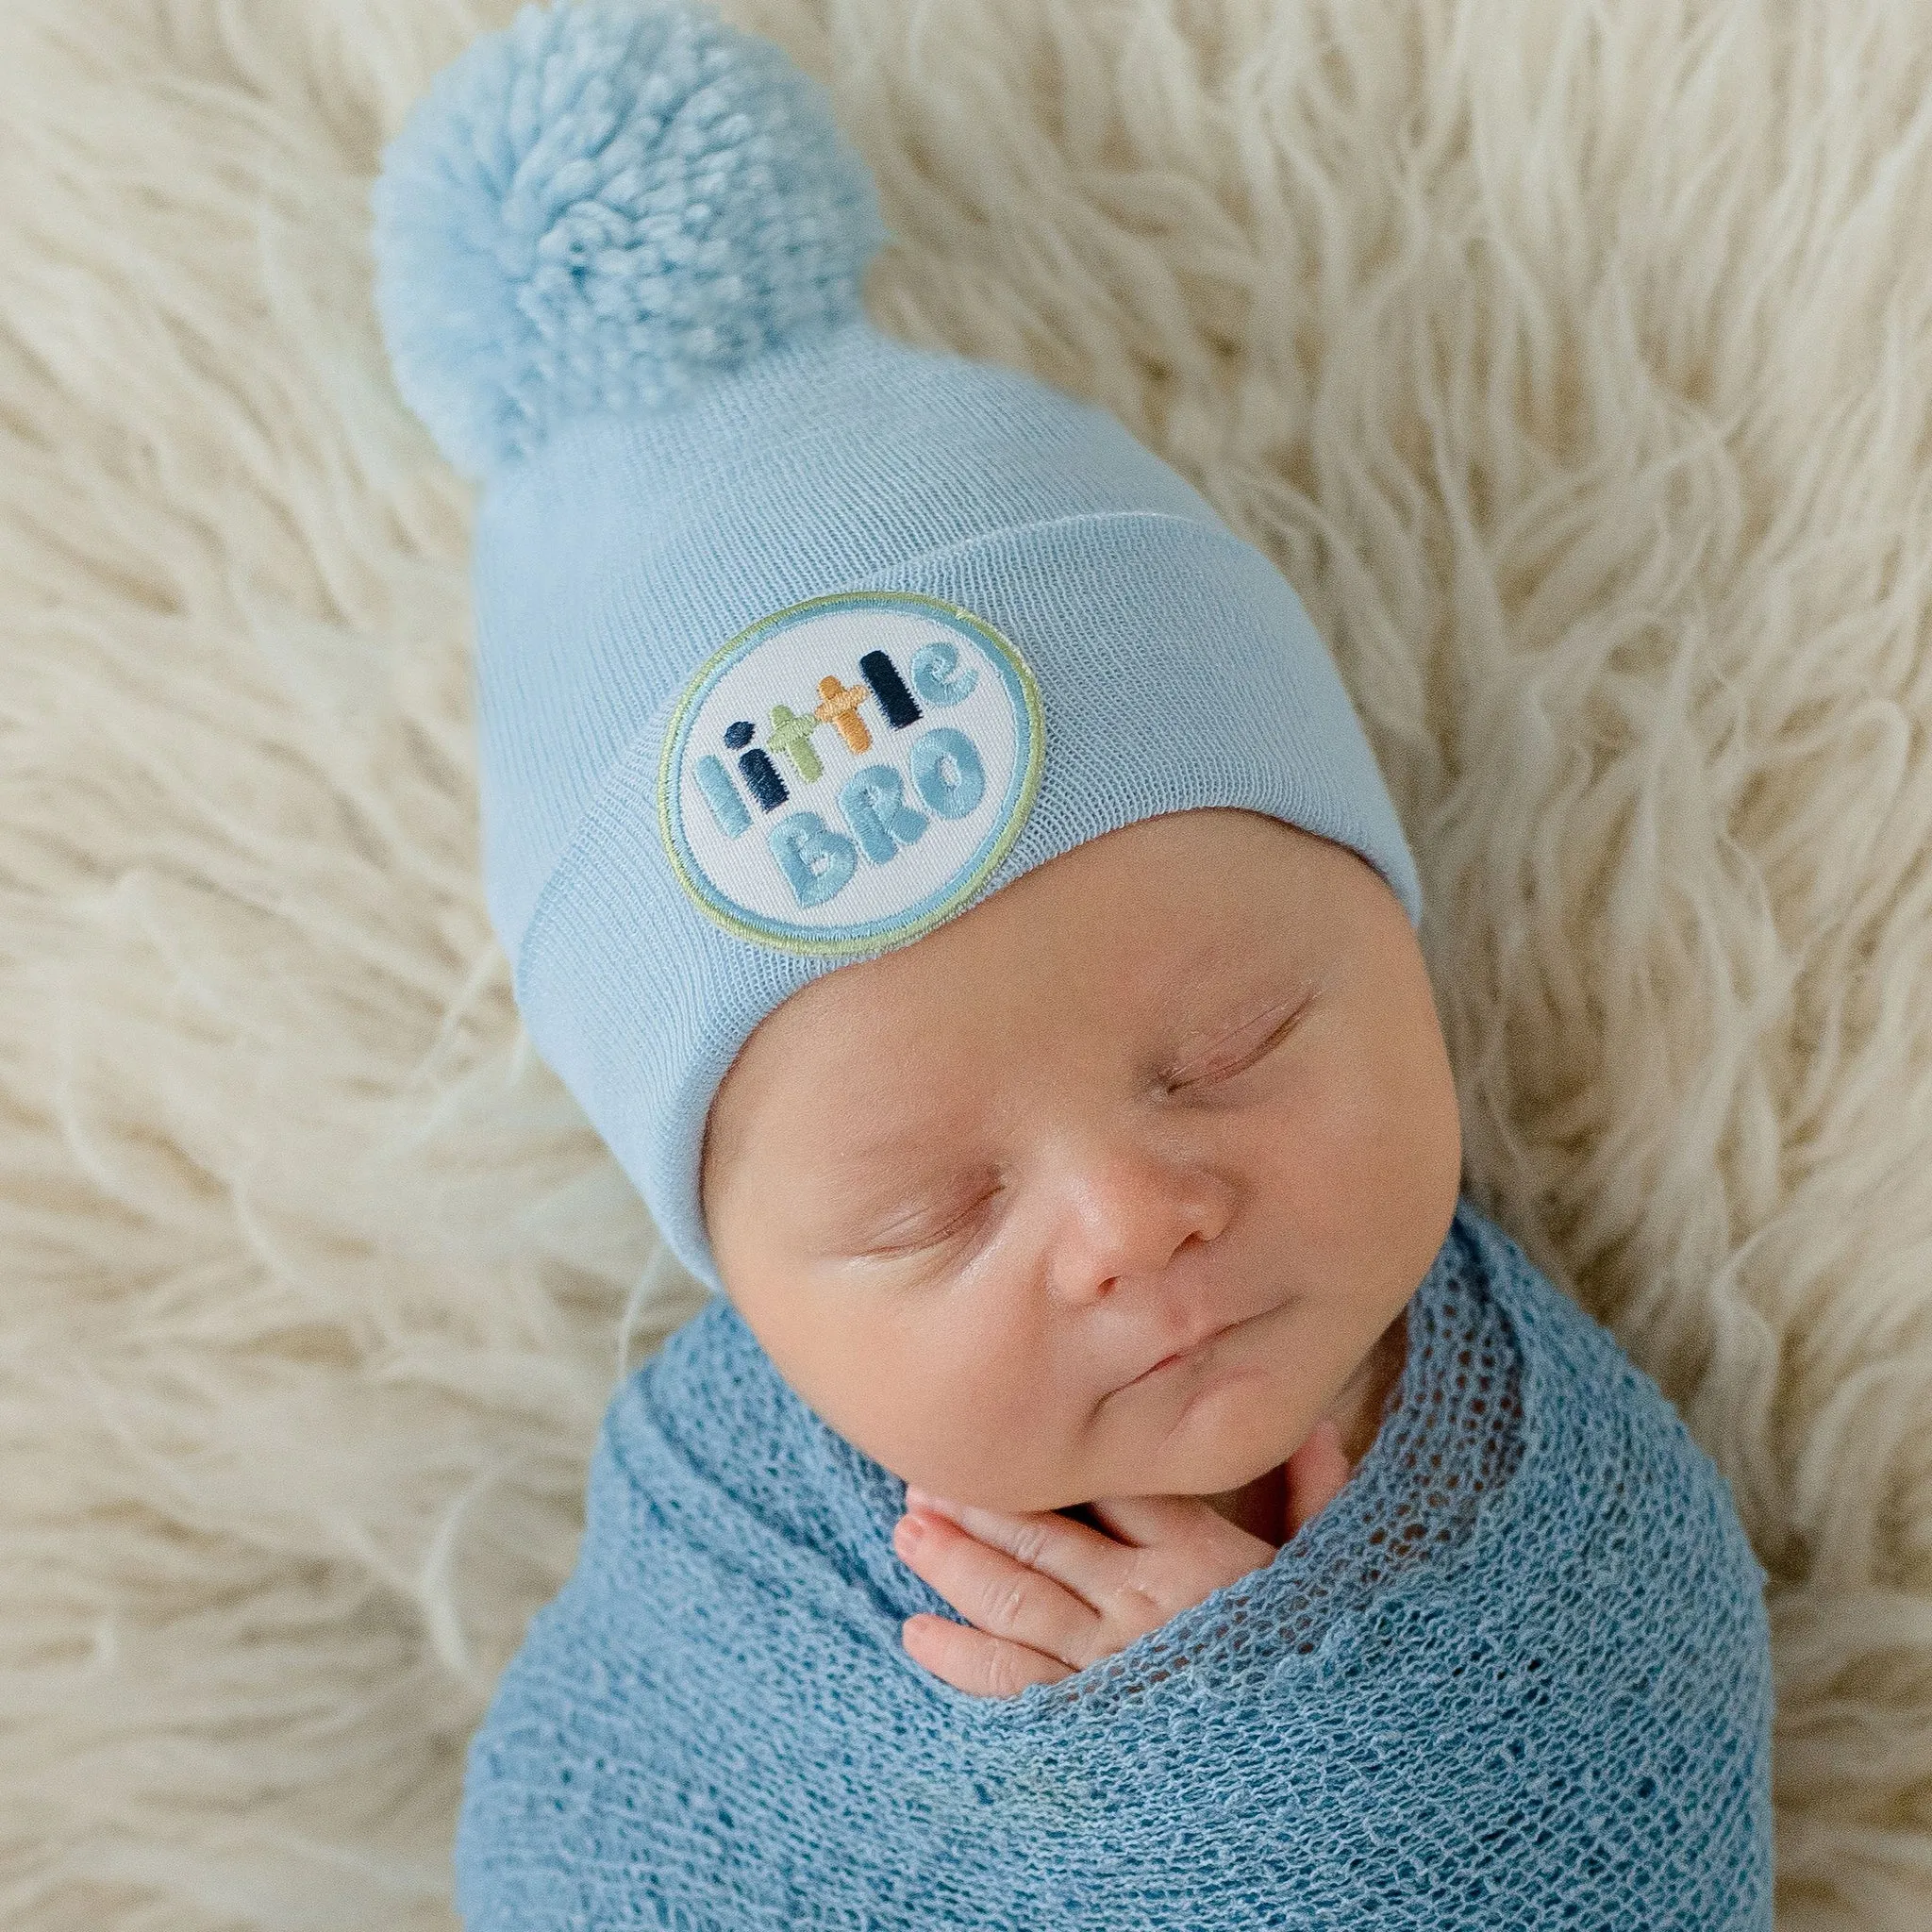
971, 1194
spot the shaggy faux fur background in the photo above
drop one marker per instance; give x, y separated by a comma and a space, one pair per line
1573, 359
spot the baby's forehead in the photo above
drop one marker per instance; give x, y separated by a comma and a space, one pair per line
983, 1007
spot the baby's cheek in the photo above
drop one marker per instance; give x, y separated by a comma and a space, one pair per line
981, 1422
918, 1398
951, 1386
1345, 1158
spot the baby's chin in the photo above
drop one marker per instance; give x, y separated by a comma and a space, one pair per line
1205, 1427
1221, 1436
1208, 1441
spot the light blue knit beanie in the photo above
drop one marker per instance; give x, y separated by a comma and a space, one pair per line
792, 642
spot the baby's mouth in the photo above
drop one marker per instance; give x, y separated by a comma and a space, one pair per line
1193, 1348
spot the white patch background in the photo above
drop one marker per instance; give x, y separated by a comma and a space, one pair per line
786, 668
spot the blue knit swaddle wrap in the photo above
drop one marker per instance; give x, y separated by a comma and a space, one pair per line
1516, 1675
792, 639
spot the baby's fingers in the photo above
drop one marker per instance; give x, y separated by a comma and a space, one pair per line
972, 1661
1091, 1566
1187, 1528
993, 1591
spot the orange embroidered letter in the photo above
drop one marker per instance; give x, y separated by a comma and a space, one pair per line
841, 709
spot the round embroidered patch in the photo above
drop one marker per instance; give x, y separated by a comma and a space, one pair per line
847, 773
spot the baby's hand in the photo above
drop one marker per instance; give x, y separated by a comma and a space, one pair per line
1047, 1596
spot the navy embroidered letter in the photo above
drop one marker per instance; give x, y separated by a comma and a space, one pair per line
762, 774
895, 701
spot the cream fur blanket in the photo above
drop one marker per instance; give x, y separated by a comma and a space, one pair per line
1576, 363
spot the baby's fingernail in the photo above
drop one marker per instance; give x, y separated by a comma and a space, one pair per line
909, 1529
916, 1499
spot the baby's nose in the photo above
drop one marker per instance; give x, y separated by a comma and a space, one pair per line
1128, 1212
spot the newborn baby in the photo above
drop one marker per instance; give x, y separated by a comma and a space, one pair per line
1116, 1481
1129, 1217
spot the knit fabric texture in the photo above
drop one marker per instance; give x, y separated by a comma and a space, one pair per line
1516, 1675
751, 577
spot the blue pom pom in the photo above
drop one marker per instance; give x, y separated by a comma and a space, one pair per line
600, 208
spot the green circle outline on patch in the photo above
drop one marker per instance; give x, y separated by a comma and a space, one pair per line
879, 934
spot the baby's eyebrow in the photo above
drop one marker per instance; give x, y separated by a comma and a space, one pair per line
859, 1157
913, 1175
1191, 967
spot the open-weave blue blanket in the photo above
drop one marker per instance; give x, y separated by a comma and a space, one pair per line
1516, 1675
